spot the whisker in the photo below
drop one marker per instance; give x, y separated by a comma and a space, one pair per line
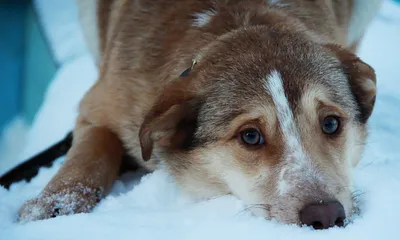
356, 198
261, 206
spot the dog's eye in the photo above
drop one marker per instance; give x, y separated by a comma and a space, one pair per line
331, 125
252, 137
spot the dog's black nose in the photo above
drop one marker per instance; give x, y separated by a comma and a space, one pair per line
323, 215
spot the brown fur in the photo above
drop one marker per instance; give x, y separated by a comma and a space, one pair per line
193, 123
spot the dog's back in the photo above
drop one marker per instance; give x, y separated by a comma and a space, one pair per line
100, 17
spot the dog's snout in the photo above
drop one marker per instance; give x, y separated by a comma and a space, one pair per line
323, 215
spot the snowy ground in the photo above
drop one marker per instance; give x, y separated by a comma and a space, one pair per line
152, 207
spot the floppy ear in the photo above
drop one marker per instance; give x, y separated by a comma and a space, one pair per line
171, 122
361, 78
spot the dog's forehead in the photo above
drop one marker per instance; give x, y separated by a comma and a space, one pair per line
238, 75
239, 82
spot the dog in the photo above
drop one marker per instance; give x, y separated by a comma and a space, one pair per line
262, 99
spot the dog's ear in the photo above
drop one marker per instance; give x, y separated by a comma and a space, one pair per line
361, 78
171, 122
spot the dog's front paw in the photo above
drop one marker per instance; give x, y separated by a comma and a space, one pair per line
71, 200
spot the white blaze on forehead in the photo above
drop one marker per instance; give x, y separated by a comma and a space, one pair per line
294, 158
203, 18
274, 85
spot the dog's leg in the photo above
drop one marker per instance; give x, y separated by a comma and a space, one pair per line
90, 168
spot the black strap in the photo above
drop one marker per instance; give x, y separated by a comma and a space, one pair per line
30, 168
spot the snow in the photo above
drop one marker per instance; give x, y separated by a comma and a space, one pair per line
12, 142
152, 207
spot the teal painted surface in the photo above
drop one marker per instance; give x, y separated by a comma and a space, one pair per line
39, 68
12, 17
26, 63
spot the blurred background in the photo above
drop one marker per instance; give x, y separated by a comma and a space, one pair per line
38, 38
30, 54
27, 63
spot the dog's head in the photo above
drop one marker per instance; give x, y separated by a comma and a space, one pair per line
273, 118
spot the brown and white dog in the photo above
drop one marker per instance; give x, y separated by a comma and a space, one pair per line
262, 99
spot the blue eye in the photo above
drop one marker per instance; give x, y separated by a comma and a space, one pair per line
252, 137
330, 125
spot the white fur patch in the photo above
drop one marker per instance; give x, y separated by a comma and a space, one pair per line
295, 158
278, 3
203, 18
274, 85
